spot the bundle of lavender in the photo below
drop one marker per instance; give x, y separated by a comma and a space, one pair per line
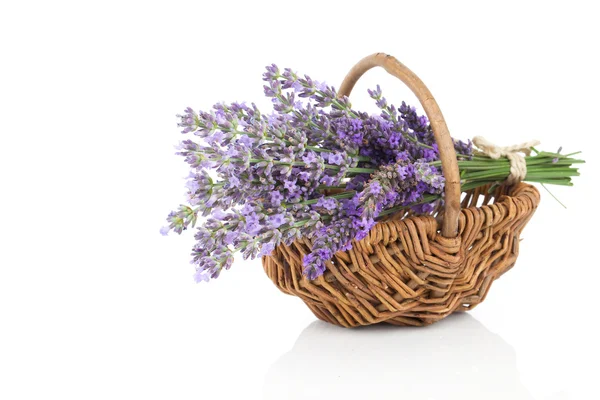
317, 168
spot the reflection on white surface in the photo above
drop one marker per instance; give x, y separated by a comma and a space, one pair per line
457, 358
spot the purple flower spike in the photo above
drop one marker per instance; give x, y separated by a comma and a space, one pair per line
263, 179
201, 276
277, 220
375, 188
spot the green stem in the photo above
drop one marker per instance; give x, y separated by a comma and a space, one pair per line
344, 195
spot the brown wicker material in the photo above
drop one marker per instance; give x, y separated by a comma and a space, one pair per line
414, 270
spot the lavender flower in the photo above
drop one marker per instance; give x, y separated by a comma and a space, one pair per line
555, 159
271, 172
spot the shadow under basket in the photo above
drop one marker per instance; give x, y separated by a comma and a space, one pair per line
414, 270
405, 272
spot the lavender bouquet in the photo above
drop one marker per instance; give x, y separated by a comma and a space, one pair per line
315, 167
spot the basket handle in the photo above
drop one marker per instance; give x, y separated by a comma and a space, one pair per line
438, 125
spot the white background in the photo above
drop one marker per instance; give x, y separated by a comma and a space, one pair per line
95, 304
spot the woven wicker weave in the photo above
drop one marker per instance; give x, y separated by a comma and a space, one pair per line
414, 270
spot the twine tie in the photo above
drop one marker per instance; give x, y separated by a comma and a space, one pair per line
518, 165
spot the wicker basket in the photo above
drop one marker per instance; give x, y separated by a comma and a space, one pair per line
414, 270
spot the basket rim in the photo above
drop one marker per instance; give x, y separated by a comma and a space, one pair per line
504, 194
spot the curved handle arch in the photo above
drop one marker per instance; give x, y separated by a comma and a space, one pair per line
438, 125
